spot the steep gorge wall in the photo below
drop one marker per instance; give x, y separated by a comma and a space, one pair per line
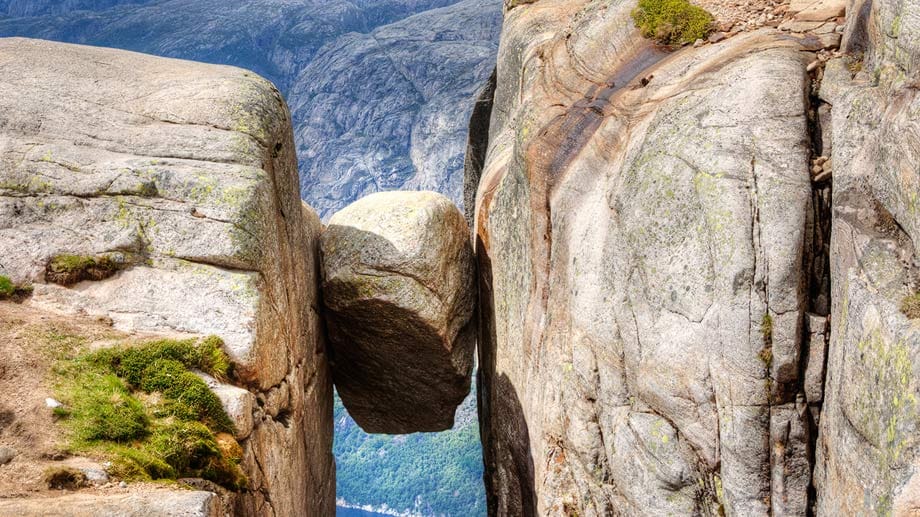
658, 281
867, 450
185, 175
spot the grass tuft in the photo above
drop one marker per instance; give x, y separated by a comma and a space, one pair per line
6, 287
766, 329
70, 269
910, 306
143, 408
672, 22
11, 291
64, 478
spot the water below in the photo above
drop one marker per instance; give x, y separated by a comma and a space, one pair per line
351, 512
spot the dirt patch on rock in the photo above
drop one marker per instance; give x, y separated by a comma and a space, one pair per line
30, 339
739, 15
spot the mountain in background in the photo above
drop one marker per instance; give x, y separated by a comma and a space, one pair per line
380, 92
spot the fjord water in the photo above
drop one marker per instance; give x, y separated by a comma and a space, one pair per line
353, 512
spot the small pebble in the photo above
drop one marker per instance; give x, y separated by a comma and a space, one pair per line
96, 476
123, 485
6, 455
51, 403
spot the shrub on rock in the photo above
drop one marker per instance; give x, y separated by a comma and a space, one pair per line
672, 22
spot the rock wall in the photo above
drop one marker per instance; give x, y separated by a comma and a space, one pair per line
651, 250
184, 176
867, 456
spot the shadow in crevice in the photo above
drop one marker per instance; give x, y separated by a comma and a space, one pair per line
507, 458
856, 40
514, 439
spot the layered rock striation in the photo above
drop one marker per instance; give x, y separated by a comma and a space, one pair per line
645, 230
698, 270
178, 182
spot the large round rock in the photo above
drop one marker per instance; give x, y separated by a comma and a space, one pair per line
399, 294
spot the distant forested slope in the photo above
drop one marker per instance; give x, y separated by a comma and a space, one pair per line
432, 473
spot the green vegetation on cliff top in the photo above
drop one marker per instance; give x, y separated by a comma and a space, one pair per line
142, 408
672, 22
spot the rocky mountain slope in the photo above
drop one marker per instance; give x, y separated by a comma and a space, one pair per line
669, 283
379, 97
388, 110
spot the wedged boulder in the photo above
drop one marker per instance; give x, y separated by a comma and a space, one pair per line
398, 287
162, 195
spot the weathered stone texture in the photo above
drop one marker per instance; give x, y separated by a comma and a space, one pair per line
641, 236
398, 288
867, 456
185, 174
149, 503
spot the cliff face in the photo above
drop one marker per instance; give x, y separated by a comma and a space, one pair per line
658, 279
184, 175
379, 90
867, 446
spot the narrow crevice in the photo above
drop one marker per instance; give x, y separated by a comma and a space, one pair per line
815, 328
477, 146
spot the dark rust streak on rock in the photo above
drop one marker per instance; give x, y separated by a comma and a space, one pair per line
548, 157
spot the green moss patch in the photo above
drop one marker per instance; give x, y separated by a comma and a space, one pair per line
910, 306
672, 22
142, 407
11, 291
766, 329
70, 269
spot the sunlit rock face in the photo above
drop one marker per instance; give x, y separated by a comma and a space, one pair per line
867, 446
644, 246
185, 175
398, 288
380, 90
